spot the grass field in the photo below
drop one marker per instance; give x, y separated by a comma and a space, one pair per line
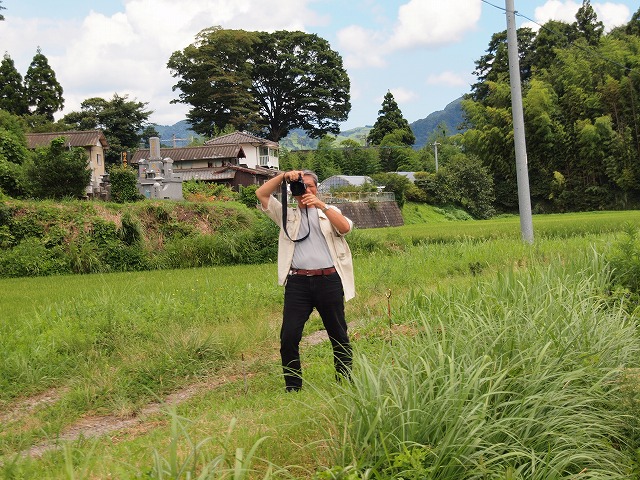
484, 314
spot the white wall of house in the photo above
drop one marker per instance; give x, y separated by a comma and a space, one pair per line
260, 156
96, 164
201, 163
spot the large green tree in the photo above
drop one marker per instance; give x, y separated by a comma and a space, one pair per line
266, 83
12, 94
58, 172
391, 121
44, 93
123, 122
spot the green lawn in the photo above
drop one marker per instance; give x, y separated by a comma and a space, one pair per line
465, 300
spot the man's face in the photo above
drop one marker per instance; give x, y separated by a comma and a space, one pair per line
311, 185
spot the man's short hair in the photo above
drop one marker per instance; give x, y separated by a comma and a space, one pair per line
311, 174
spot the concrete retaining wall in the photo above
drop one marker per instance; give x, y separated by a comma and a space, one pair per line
372, 214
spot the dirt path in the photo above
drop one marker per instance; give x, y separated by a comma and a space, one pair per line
98, 426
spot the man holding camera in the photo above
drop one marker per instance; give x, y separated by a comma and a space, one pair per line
314, 265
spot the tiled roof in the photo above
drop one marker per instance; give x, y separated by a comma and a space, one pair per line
227, 172
206, 152
206, 174
83, 138
237, 138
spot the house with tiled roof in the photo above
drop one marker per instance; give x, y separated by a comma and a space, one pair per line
94, 143
224, 163
259, 152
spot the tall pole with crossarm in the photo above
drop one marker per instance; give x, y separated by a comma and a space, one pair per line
524, 197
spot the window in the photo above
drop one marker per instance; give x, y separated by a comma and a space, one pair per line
98, 159
264, 156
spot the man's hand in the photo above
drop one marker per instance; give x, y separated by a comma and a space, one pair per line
310, 200
292, 175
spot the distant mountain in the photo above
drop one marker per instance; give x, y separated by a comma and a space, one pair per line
451, 116
299, 140
181, 131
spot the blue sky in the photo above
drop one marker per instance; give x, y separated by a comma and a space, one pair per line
423, 51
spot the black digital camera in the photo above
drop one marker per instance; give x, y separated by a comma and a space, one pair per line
297, 187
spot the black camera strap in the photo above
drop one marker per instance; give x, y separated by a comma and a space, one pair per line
285, 197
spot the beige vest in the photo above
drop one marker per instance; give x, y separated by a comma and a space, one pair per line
338, 247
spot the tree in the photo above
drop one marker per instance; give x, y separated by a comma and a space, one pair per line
44, 93
1, 8
633, 27
122, 121
215, 79
398, 184
265, 83
124, 184
390, 119
12, 95
394, 153
587, 24
358, 160
494, 65
13, 153
552, 36
58, 172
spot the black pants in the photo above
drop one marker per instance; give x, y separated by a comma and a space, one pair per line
301, 295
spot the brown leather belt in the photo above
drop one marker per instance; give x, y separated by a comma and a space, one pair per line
312, 273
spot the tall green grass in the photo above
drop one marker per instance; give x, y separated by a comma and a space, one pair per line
497, 329
514, 377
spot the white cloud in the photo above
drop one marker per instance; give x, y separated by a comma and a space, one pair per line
402, 95
611, 14
127, 52
447, 79
427, 23
420, 23
362, 47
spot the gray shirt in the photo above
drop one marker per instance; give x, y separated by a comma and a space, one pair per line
312, 252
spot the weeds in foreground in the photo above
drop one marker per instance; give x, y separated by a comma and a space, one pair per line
514, 378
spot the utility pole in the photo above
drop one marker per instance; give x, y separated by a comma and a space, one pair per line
522, 173
435, 149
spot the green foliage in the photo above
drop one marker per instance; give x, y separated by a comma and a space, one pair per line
31, 258
12, 92
247, 195
464, 183
12, 147
261, 82
390, 120
625, 261
512, 377
580, 116
11, 178
44, 93
231, 463
398, 184
122, 121
394, 154
57, 172
139, 236
124, 184
198, 190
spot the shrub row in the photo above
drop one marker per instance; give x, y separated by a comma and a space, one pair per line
43, 238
